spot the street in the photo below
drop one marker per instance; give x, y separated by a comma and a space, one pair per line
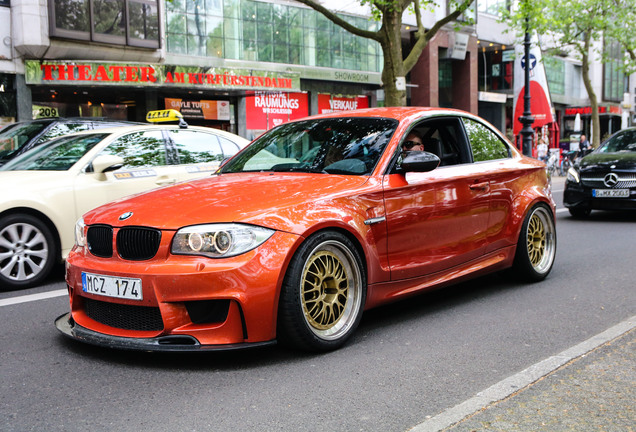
407, 362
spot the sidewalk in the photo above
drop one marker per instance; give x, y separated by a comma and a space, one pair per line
592, 389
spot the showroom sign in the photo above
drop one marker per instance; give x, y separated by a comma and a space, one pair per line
93, 73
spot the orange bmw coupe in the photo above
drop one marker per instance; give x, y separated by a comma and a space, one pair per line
311, 224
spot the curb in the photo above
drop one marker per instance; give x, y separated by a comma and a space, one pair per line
517, 382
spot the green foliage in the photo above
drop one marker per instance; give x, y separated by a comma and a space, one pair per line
571, 23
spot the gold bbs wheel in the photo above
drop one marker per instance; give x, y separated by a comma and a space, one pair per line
537, 244
330, 290
323, 294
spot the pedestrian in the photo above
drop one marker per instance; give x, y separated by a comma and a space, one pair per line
542, 150
584, 145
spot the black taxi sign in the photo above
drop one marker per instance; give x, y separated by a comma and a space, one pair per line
163, 116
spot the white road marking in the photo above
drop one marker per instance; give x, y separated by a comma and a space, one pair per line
33, 297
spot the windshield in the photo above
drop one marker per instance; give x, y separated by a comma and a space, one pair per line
621, 142
13, 137
56, 155
335, 145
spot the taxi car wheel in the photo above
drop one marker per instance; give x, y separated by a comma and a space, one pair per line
580, 213
536, 248
27, 251
323, 294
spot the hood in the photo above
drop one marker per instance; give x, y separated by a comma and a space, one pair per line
621, 160
275, 200
22, 184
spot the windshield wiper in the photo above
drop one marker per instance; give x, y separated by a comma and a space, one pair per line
292, 167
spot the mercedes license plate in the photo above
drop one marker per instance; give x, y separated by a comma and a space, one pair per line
112, 286
610, 193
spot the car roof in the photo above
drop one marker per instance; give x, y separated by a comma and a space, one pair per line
148, 126
398, 113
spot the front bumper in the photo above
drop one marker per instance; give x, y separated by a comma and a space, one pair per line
69, 328
189, 303
579, 196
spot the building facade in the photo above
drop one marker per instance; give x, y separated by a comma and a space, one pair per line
247, 65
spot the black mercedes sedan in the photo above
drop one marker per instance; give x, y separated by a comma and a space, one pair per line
605, 179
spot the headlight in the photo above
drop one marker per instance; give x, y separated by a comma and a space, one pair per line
573, 176
218, 240
80, 233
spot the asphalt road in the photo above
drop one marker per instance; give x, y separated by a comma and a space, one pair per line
407, 362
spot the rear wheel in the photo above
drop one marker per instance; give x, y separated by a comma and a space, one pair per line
536, 247
323, 294
27, 251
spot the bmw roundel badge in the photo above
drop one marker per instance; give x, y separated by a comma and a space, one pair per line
125, 216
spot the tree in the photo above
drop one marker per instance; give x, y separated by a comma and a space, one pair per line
389, 13
576, 25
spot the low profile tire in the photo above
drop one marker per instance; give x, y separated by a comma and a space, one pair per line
579, 213
323, 294
536, 248
27, 251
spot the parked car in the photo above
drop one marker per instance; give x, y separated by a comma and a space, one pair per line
604, 179
312, 223
16, 138
45, 190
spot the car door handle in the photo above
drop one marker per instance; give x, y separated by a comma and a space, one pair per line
479, 186
166, 181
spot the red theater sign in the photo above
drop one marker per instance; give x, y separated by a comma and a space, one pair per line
74, 73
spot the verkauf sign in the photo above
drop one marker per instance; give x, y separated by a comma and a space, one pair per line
328, 103
134, 74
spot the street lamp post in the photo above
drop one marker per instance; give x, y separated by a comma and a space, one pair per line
526, 119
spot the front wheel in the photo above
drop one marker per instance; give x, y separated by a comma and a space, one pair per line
27, 251
323, 294
536, 247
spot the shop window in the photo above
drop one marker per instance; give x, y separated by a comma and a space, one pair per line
118, 22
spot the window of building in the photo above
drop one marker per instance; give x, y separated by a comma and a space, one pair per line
495, 68
119, 22
555, 72
266, 32
613, 76
493, 7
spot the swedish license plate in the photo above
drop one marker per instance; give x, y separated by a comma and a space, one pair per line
610, 193
111, 286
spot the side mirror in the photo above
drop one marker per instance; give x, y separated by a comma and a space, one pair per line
419, 161
105, 163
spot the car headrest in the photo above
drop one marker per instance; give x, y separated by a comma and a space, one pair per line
433, 145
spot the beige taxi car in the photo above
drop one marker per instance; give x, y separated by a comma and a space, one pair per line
44, 191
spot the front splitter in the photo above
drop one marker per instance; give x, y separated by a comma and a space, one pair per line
69, 328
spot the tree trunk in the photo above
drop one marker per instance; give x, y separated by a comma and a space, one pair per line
391, 43
595, 138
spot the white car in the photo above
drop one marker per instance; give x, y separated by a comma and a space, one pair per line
45, 190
